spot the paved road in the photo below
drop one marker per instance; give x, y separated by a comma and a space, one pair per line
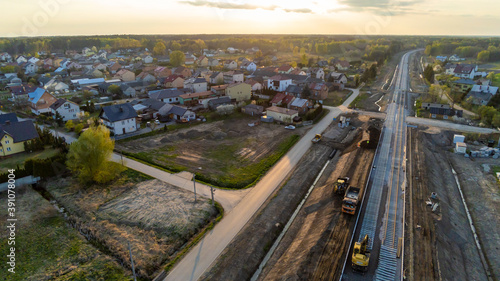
449, 125
201, 257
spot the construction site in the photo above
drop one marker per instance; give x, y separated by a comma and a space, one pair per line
315, 244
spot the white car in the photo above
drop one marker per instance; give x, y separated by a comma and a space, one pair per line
157, 122
290, 127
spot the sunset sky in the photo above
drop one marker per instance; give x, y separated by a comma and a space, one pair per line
412, 17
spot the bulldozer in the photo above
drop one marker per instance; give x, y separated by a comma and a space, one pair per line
361, 255
341, 185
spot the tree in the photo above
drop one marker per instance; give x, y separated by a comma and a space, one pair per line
8, 69
303, 59
78, 128
89, 156
293, 64
114, 89
496, 120
59, 119
159, 49
306, 92
175, 46
483, 56
491, 76
69, 125
177, 58
258, 54
429, 73
94, 49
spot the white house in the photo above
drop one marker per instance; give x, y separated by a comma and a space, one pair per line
279, 83
67, 109
230, 64
21, 59
248, 65
5, 57
464, 71
197, 85
30, 68
119, 118
148, 59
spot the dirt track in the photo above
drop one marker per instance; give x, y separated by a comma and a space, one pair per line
439, 245
315, 245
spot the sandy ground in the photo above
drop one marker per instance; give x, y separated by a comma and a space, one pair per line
440, 244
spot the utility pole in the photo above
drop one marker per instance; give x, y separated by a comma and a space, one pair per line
131, 261
194, 185
212, 189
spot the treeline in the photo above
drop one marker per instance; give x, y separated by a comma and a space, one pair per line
484, 49
372, 47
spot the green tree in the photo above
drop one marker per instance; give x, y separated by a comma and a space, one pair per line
114, 89
89, 157
175, 46
159, 49
303, 59
78, 128
258, 54
69, 125
496, 120
177, 58
491, 76
483, 56
8, 69
429, 73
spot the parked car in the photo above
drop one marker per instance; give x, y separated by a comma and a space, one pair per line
290, 127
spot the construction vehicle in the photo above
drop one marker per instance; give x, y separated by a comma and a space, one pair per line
316, 138
341, 185
350, 202
361, 255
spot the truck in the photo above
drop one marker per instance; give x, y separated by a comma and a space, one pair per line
341, 185
350, 201
360, 255
316, 138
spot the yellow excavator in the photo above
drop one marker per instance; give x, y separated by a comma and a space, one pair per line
361, 255
341, 185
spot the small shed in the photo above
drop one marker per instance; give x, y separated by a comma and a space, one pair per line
460, 148
458, 138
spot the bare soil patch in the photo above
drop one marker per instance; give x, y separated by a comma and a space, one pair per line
155, 217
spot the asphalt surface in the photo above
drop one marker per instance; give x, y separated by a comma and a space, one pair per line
201, 257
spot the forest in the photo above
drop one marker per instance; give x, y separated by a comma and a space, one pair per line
482, 49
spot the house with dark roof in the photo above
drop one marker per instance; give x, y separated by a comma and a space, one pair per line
253, 110
214, 103
480, 94
462, 85
174, 81
197, 85
166, 95
294, 90
40, 101
68, 110
216, 78
465, 70
8, 118
13, 135
119, 118
319, 91
175, 112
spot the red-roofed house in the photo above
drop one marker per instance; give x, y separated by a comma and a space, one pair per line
174, 81
342, 65
319, 91
285, 69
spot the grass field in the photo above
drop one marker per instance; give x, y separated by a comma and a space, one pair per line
336, 98
47, 248
18, 159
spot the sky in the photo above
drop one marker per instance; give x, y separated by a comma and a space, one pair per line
361, 17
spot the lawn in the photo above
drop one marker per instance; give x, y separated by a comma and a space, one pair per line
47, 248
18, 159
496, 80
336, 98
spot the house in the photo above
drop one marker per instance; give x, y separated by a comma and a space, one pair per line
183, 71
481, 95
285, 69
174, 81
119, 118
239, 91
30, 68
220, 90
462, 85
248, 66
298, 71
323, 63
216, 78
441, 111
213, 62
94, 73
162, 71
13, 135
253, 110
189, 61
127, 90
8, 118
148, 59
277, 99
339, 80
215, 102
342, 65
300, 105
319, 91
55, 85
40, 101
192, 99
202, 61
114, 67
281, 114
279, 83
455, 58
441, 58
233, 77
256, 85
465, 70
166, 95
146, 77
5, 57
197, 85
231, 50
21, 59
230, 64
68, 110
175, 112
149, 108
21, 91
316, 72
124, 75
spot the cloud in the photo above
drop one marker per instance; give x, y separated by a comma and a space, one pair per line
381, 7
226, 5
304, 11
242, 6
